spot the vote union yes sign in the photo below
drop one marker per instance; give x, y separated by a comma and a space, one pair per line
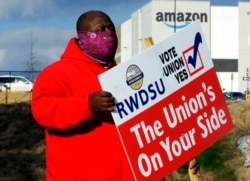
169, 104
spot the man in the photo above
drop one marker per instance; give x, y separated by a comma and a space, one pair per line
82, 142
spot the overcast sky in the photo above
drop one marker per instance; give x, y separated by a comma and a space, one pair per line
51, 23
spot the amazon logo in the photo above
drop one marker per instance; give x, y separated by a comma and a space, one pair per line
180, 19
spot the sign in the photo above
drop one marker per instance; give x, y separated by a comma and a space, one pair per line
246, 78
169, 104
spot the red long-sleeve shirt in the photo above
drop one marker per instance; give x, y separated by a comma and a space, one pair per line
79, 145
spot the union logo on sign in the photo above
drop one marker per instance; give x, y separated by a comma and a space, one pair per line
134, 77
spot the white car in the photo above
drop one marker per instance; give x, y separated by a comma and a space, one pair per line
15, 83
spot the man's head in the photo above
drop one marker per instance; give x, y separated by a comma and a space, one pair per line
94, 21
96, 36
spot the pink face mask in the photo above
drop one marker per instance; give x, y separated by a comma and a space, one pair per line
99, 45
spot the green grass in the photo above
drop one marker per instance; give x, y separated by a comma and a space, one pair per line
212, 160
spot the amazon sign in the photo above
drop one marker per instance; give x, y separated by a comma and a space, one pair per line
181, 18
169, 104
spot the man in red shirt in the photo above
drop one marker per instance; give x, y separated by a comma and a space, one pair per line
82, 142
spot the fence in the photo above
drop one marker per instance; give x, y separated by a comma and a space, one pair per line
9, 97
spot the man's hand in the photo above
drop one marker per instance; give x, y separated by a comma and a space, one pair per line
194, 167
102, 102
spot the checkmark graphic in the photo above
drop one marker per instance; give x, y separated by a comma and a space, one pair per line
197, 41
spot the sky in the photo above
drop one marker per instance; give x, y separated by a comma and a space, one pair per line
47, 25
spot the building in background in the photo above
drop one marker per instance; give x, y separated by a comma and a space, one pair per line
226, 30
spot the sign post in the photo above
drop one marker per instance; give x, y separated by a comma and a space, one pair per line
247, 79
